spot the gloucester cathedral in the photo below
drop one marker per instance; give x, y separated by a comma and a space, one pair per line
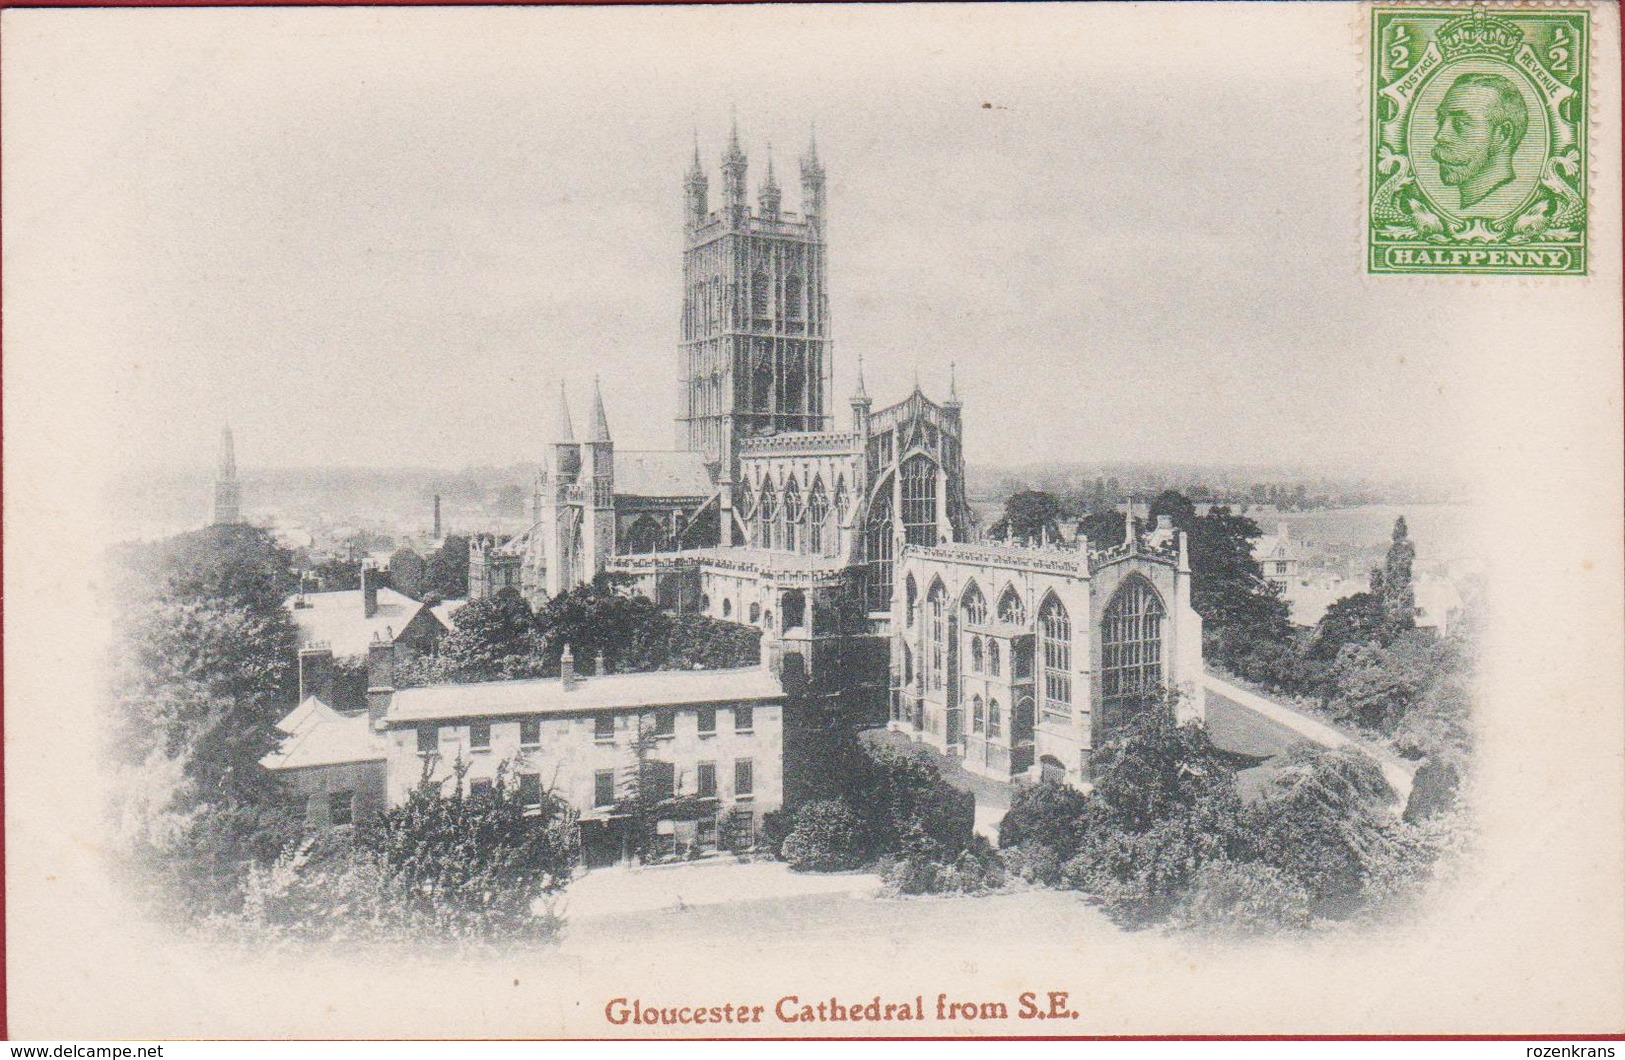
850, 544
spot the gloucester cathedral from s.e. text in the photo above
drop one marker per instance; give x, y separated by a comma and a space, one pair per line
851, 547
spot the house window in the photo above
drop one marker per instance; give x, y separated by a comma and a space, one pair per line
706, 779
993, 657
1055, 651
665, 723
660, 779
603, 788
744, 717
341, 807
479, 736
530, 732
708, 721
978, 714
603, 727
995, 722
428, 739
480, 788
744, 778
530, 789
1280, 568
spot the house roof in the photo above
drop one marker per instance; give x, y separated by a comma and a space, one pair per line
662, 688
318, 735
339, 619
661, 473
446, 612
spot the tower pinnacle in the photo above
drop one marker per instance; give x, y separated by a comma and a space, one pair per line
600, 424
953, 387
566, 431
860, 394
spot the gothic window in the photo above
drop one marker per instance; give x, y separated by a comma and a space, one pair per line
920, 501
936, 634
995, 722
1011, 613
755, 613
976, 654
908, 665
768, 516
1131, 643
1055, 650
978, 714
974, 605
992, 657
817, 516
792, 296
793, 513
911, 594
746, 507
878, 550
841, 499
759, 290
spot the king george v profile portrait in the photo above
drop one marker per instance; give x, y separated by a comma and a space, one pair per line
1482, 120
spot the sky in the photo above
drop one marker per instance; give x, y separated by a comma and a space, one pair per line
384, 238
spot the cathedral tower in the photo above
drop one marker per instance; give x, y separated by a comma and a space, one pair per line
755, 353
228, 492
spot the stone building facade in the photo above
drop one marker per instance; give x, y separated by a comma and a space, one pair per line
1020, 660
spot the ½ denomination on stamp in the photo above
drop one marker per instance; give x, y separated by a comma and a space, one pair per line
1478, 140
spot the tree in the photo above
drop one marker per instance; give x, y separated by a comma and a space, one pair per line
1375, 686
1030, 515
1353, 620
1228, 588
475, 864
1177, 507
445, 574
1048, 814
1395, 585
496, 637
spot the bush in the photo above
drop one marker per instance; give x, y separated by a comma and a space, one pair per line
1049, 815
1033, 863
827, 837
974, 871
1241, 899
1140, 875
1323, 815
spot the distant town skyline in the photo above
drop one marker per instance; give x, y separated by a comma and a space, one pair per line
388, 249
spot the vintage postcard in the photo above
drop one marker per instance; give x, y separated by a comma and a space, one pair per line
788, 521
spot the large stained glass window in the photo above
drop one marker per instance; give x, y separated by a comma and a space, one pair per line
919, 501
1131, 643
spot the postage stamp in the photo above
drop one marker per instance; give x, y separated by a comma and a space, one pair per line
1478, 140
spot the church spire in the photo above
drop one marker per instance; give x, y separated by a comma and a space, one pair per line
228, 455
228, 492
600, 424
566, 431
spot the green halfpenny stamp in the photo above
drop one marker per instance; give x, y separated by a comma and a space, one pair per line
1478, 140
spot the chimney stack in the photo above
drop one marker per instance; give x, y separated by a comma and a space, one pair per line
369, 588
567, 670
316, 673
380, 679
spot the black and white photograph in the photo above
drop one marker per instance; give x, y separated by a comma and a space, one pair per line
838, 521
